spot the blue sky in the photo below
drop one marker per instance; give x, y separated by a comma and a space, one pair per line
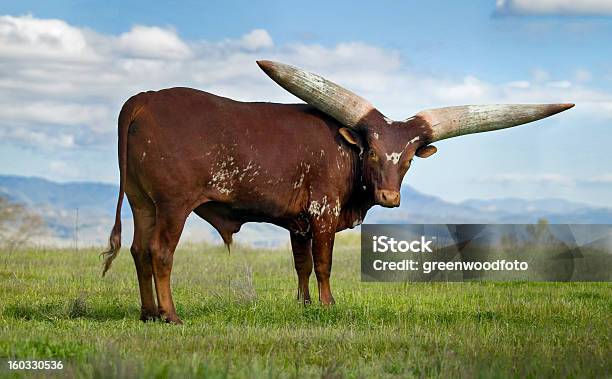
66, 67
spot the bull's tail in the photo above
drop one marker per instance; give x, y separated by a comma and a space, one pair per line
126, 116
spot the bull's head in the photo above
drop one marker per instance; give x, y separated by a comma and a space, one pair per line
387, 147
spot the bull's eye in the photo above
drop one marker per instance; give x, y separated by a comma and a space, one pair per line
372, 155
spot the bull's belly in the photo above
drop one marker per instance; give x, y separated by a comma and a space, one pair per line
228, 219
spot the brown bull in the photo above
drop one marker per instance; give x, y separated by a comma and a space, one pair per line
313, 169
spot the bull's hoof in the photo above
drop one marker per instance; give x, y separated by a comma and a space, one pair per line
149, 315
327, 302
303, 295
305, 300
172, 319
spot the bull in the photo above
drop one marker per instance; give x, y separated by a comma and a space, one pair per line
313, 169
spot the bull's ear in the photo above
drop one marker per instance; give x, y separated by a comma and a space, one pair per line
351, 137
426, 151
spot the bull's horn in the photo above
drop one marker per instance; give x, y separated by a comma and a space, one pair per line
328, 97
457, 121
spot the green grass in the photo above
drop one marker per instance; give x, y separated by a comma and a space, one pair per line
241, 320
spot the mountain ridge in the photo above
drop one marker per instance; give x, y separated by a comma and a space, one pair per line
58, 202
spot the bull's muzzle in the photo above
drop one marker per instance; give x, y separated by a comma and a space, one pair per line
387, 198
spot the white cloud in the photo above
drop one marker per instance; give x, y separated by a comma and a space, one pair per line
257, 39
540, 75
583, 75
520, 84
54, 113
560, 84
469, 88
65, 85
554, 7
64, 170
28, 37
42, 140
153, 42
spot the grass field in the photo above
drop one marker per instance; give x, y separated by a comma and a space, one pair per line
241, 320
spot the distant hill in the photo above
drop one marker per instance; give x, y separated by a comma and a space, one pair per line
58, 202
557, 211
33, 192
419, 208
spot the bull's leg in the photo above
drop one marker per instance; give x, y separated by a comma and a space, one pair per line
322, 247
302, 258
144, 221
168, 227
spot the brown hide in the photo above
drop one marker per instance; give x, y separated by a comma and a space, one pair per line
235, 162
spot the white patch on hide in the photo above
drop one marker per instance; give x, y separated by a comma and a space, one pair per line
223, 175
394, 157
315, 209
299, 183
336, 209
412, 141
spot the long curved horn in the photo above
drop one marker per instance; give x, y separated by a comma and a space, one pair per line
328, 97
457, 121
